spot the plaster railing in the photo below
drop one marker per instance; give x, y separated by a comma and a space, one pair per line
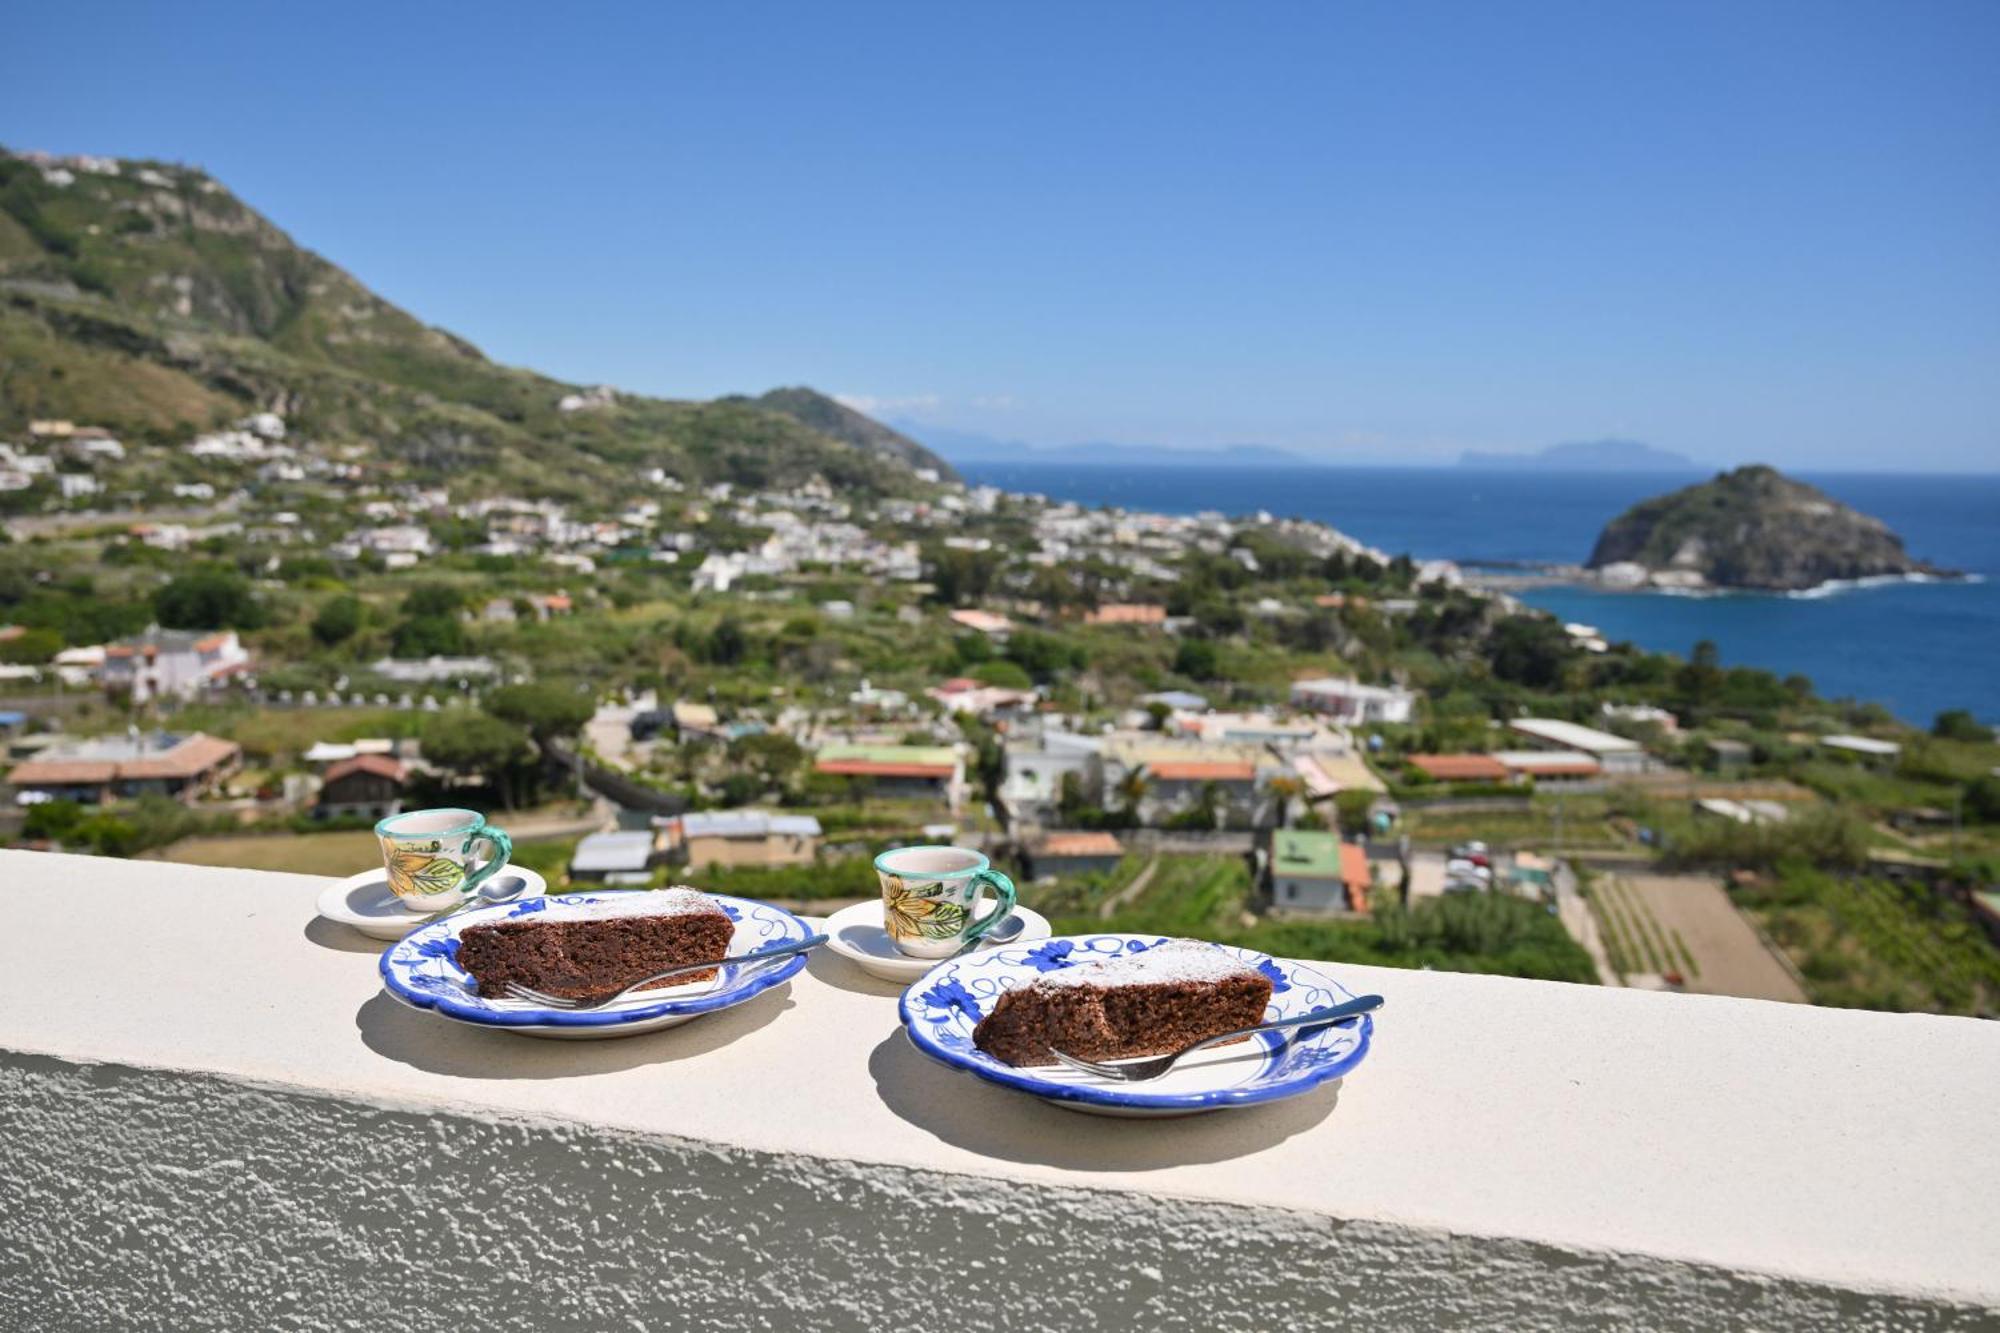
210, 1116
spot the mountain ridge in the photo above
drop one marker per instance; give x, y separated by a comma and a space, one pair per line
1607, 455
144, 296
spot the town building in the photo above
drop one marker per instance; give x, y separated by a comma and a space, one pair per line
177, 664
1074, 853
94, 772
615, 858
985, 622
433, 670
1127, 613
1315, 871
1865, 746
1351, 701
1614, 754
742, 838
1459, 767
1037, 766
1549, 765
914, 772
370, 786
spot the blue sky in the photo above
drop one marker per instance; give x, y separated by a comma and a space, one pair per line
1375, 232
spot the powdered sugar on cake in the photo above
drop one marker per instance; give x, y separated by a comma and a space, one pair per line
657, 902
1176, 960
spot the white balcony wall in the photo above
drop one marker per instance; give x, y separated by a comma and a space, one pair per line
210, 1116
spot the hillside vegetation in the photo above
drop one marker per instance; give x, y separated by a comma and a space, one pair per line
147, 298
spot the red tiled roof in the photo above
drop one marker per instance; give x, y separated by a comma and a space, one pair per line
62, 772
1460, 767
1080, 844
192, 757
1127, 613
1356, 875
869, 768
381, 765
1202, 771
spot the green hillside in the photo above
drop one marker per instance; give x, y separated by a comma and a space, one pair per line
145, 297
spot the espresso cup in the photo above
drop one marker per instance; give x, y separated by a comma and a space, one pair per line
930, 898
428, 854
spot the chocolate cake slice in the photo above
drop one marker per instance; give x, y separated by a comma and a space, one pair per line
582, 949
1148, 1003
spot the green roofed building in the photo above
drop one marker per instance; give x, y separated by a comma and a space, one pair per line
1313, 871
918, 772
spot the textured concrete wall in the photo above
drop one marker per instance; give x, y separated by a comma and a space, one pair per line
140, 1198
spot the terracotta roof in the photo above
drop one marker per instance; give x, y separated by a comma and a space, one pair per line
191, 758
872, 768
1201, 771
1356, 875
1127, 613
1550, 762
381, 765
1460, 767
1080, 844
62, 772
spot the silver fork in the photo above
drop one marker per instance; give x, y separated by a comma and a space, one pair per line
1138, 1071
516, 991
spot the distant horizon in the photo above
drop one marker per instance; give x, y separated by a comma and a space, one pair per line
1057, 455
1373, 237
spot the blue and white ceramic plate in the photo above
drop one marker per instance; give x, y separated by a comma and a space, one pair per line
421, 969
940, 1011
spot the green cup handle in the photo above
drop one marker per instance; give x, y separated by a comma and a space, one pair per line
1003, 907
503, 848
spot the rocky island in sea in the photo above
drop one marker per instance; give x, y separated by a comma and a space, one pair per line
1752, 528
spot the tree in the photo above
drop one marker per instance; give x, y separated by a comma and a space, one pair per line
1530, 650
1132, 790
727, 645
548, 709
1982, 800
1958, 724
31, 647
428, 636
51, 821
1043, 655
208, 599
1701, 679
1196, 658
338, 621
476, 744
959, 577
1003, 673
430, 626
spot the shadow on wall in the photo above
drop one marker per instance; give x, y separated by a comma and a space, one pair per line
981, 1117
436, 1045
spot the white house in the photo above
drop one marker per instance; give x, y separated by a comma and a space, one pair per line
1614, 754
174, 663
1351, 701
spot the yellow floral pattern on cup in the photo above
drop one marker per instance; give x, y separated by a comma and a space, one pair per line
910, 915
416, 872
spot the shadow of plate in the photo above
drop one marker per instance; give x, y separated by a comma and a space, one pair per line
438, 1045
343, 939
968, 1112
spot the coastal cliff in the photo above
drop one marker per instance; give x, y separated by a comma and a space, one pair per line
1752, 528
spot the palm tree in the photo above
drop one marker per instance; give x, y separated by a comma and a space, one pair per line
1132, 790
1284, 789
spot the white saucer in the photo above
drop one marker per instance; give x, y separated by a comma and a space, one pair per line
856, 934
366, 902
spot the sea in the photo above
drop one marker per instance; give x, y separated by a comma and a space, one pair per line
1916, 648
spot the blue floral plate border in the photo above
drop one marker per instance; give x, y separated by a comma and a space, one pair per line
421, 969
940, 1010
